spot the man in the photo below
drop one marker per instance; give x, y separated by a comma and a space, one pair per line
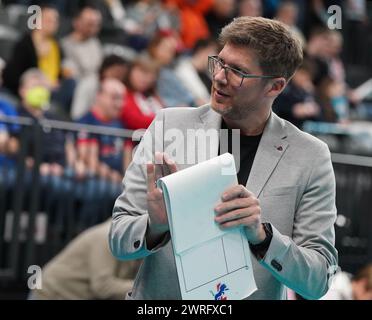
99, 152
102, 158
286, 197
81, 47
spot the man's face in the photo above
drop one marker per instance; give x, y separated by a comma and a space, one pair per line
251, 8
117, 71
50, 21
228, 98
142, 79
110, 99
89, 23
165, 51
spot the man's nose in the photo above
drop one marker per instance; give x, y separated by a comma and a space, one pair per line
220, 76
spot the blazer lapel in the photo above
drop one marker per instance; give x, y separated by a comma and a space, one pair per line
270, 150
272, 146
210, 122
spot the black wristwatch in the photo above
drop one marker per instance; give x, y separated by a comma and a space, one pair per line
260, 249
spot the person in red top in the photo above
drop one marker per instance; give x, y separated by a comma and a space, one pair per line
193, 24
141, 101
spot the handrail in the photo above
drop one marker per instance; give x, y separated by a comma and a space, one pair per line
70, 126
351, 159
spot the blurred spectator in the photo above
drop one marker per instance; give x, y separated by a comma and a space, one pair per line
9, 145
288, 14
319, 8
64, 7
141, 103
9, 142
336, 69
112, 66
250, 8
193, 71
35, 100
354, 28
163, 49
133, 23
113, 14
297, 103
324, 48
220, 15
270, 7
37, 49
5, 94
6, 128
193, 24
103, 154
85, 269
347, 287
101, 158
332, 56
145, 18
82, 49
316, 52
331, 97
52, 145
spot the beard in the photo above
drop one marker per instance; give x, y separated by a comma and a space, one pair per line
228, 111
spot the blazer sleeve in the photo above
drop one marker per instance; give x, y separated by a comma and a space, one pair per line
305, 262
130, 216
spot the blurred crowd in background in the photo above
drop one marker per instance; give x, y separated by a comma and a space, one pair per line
115, 63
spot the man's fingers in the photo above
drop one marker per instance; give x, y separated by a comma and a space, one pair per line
245, 221
238, 191
159, 157
233, 223
159, 172
237, 203
164, 165
172, 166
150, 177
155, 195
237, 214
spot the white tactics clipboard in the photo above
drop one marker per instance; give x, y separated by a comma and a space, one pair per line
212, 264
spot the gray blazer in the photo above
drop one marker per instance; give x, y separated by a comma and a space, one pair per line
292, 175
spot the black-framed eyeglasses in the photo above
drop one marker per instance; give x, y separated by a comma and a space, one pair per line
233, 75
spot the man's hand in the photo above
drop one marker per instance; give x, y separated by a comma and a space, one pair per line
158, 222
240, 207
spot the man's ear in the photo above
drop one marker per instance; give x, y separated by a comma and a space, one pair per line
276, 86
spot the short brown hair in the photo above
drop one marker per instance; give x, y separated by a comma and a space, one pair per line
278, 50
144, 62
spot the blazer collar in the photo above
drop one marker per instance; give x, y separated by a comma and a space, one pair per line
272, 146
271, 149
